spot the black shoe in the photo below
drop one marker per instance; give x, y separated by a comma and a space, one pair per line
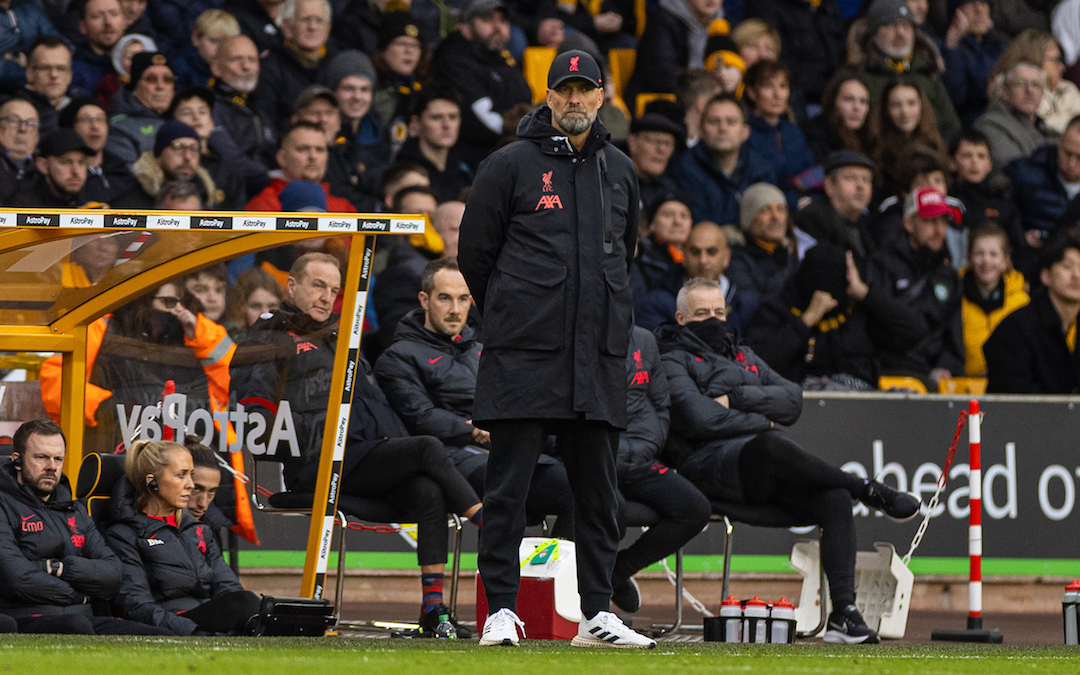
897, 505
846, 627
436, 623
627, 596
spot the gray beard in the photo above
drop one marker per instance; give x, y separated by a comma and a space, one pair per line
573, 126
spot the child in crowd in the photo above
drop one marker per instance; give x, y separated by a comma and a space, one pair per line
992, 291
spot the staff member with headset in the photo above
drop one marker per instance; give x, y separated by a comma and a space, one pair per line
546, 244
174, 574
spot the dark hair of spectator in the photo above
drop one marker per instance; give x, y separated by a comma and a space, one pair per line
427, 277
48, 41
727, 98
972, 137
395, 171
300, 124
693, 84
200, 454
247, 283
181, 188
42, 427
1060, 242
218, 272
425, 97
300, 266
990, 229
404, 193
420, 73
139, 320
761, 73
863, 139
891, 140
918, 160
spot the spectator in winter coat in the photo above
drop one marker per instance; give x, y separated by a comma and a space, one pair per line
1011, 121
107, 175
970, 49
174, 575
841, 218
102, 23
61, 173
722, 165
844, 122
725, 403
658, 274
259, 21
139, 108
434, 130
760, 267
53, 560
302, 156
192, 60
22, 23
917, 272
236, 75
652, 142
429, 377
772, 133
48, 77
1033, 350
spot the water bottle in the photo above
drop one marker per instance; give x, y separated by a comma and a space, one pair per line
445, 630
1069, 606
755, 621
731, 616
782, 622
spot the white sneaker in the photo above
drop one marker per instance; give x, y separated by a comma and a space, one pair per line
501, 629
607, 630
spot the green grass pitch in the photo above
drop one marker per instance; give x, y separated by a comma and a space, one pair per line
57, 655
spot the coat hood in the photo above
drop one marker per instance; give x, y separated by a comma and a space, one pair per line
536, 126
60, 500
411, 327
151, 177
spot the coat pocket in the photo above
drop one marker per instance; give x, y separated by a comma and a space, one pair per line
526, 306
620, 302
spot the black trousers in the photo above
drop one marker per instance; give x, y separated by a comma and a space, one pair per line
549, 495
415, 475
684, 510
78, 624
227, 613
588, 452
774, 470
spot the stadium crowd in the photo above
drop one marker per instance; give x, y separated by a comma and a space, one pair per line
830, 192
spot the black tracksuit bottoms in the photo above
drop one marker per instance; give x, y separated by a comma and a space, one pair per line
588, 452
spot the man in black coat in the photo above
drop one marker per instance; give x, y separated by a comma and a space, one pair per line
841, 218
429, 376
53, 560
61, 173
546, 246
475, 62
236, 76
917, 272
725, 405
1033, 350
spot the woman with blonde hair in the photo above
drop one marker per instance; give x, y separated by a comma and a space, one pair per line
174, 574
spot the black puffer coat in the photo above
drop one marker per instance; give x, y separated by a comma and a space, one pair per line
33, 531
166, 569
647, 405
554, 295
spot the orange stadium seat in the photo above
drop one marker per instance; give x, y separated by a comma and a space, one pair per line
536, 62
887, 382
962, 385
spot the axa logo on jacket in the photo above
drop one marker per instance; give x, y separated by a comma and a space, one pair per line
548, 200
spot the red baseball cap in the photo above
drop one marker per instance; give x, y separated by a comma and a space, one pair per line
926, 202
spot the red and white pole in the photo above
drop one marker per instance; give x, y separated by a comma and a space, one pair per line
975, 539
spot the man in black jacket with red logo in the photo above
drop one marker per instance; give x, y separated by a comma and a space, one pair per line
546, 245
53, 561
429, 376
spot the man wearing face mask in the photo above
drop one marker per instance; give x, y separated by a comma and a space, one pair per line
725, 405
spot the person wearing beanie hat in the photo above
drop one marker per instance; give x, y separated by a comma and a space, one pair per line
760, 267
658, 271
893, 45
842, 218
303, 195
917, 273
813, 39
723, 59
402, 63
138, 107
351, 76
175, 155
558, 210
652, 142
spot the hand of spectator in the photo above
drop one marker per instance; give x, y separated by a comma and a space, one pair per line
939, 374
857, 289
608, 22
1034, 238
820, 305
19, 58
479, 435
550, 33
187, 319
723, 400
957, 29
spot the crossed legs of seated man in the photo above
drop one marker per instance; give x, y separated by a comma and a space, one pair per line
415, 474
773, 470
